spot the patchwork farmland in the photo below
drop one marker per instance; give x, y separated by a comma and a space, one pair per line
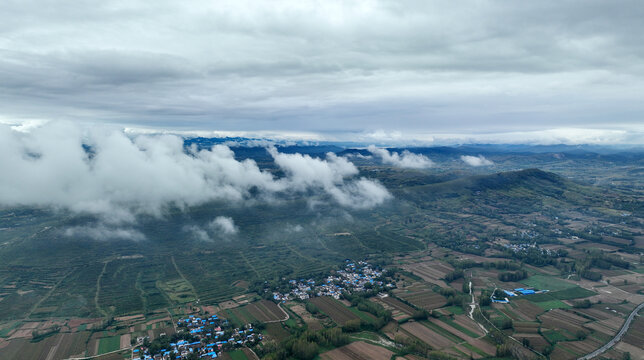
339, 313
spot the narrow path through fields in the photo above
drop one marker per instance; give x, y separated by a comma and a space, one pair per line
33, 308
98, 289
279, 305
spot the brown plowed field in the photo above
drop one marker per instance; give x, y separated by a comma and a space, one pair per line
452, 330
426, 335
334, 309
593, 313
311, 322
427, 299
560, 319
526, 327
602, 328
536, 341
58, 346
484, 345
358, 350
265, 310
581, 347
527, 310
635, 334
465, 350
467, 323
508, 310
430, 271
561, 354
398, 305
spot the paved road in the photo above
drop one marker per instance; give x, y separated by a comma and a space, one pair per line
617, 337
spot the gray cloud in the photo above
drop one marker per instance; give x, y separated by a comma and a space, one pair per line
406, 159
325, 67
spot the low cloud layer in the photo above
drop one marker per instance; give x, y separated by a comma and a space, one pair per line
224, 225
104, 232
476, 160
221, 227
328, 174
404, 160
104, 172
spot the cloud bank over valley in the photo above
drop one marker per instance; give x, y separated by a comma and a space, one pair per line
104, 172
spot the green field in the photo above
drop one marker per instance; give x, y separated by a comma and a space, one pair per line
554, 336
109, 344
542, 282
552, 304
475, 349
456, 310
459, 327
238, 355
362, 315
572, 293
442, 331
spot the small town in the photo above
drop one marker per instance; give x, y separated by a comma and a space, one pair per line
203, 338
355, 277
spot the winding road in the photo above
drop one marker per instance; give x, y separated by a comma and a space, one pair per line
617, 337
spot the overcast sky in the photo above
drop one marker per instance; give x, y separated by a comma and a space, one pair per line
571, 71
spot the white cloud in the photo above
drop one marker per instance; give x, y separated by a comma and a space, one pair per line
294, 228
476, 160
359, 156
225, 225
220, 227
360, 194
197, 232
103, 232
330, 175
405, 160
121, 176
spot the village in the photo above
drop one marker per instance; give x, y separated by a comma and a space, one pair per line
203, 338
355, 277
525, 247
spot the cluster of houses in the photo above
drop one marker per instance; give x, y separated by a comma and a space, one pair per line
524, 247
520, 247
355, 277
210, 336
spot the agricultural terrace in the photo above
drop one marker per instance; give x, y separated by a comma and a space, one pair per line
334, 309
